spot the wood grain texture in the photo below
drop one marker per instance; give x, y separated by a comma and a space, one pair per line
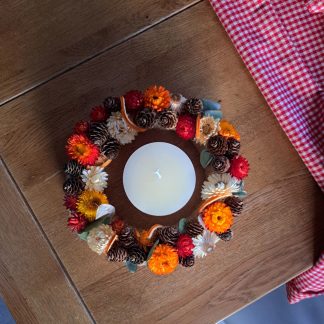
32, 282
43, 38
275, 238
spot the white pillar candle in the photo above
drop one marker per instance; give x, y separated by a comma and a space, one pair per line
159, 179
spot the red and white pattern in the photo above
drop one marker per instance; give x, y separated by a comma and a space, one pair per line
308, 284
282, 45
316, 6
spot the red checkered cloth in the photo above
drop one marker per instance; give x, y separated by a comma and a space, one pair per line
316, 6
308, 284
282, 44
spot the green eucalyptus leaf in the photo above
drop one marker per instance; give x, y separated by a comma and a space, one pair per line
240, 194
103, 220
216, 114
83, 235
205, 158
181, 226
211, 105
132, 267
242, 186
152, 250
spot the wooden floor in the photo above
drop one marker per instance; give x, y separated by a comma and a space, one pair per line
59, 58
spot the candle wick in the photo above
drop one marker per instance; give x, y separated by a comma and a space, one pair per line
158, 174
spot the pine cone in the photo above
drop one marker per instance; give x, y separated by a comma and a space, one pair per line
217, 145
168, 235
233, 147
194, 106
73, 186
99, 133
167, 119
220, 164
193, 228
145, 118
136, 255
226, 236
73, 168
110, 148
117, 253
126, 237
112, 104
235, 204
187, 262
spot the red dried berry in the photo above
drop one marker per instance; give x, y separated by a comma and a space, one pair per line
81, 127
134, 99
98, 114
186, 127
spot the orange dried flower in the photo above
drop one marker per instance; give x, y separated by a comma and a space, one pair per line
80, 148
157, 97
228, 130
218, 217
143, 238
164, 260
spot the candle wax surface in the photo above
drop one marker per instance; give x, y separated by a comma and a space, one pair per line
159, 179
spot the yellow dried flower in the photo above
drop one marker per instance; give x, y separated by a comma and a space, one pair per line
88, 203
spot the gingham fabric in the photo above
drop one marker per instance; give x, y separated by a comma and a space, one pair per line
282, 44
308, 284
316, 6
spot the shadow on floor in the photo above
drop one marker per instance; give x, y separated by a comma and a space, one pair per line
274, 309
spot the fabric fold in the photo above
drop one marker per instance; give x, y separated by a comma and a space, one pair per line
286, 66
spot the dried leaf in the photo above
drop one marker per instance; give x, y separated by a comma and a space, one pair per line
205, 158
181, 226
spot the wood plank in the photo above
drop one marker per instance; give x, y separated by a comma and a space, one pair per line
275, 238
32, 282
41, 39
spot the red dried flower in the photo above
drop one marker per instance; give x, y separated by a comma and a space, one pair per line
80, 148
81, 127
239, 167
98, 114
70, 202
76, 223
134, 99
184, 245
117, 225
186, 127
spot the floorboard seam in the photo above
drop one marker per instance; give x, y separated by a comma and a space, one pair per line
103, 51
50, 245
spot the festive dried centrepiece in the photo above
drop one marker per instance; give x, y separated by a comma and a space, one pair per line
96, 143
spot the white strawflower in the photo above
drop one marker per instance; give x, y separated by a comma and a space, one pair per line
177, 101
208, 127
99, 237
95, 178
119, 129
204, 243
220, 184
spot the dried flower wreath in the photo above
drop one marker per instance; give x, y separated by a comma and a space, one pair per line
92, 147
